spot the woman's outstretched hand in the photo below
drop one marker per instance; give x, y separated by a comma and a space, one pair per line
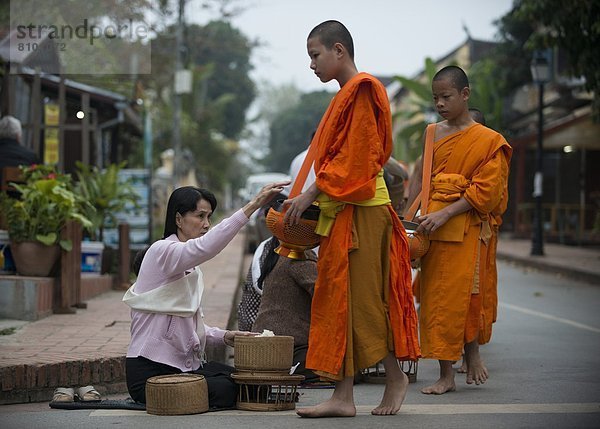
230, 336
266, 194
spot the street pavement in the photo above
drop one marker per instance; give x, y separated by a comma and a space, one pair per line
543, 356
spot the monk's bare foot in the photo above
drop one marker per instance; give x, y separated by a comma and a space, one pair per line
445, 382
476, 371
393, 396
329, 408
341, 403
463, 366
440, 387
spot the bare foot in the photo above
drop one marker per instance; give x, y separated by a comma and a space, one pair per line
463, 366
341, 403
445, 382
330, 408
440, 387
476, 371
394, 394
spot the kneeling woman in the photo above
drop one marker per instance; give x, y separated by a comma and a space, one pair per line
168, 335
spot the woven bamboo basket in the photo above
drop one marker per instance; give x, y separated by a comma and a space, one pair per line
268, 354
168, 395
264, 392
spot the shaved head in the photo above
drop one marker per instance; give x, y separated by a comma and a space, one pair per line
332, 32
457, 77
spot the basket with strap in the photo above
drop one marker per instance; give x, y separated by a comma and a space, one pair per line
418, 242
295, 239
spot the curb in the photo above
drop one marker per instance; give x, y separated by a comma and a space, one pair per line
36, 383
542, 265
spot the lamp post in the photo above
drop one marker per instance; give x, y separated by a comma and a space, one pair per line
541, 73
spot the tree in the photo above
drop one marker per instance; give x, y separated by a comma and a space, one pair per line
226, 51
414, 117
271, 101
213, 115
574, 27
291, 129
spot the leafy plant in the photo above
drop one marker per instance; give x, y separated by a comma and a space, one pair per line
413, 118
106, 194
46, 202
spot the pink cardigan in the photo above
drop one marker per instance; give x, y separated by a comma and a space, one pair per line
173, 340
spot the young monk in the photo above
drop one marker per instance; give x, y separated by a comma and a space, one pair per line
469, 180
362, 310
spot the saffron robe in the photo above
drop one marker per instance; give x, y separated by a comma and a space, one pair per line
353, 142
472, 163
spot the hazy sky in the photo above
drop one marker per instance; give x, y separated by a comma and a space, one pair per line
390, 36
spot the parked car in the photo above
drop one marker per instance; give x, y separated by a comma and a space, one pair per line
256, 229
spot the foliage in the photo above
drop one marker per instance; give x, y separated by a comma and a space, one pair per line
213, 116
46, 202
106, 195
573, 26
485, 92
532, 24
414, 117
291, 129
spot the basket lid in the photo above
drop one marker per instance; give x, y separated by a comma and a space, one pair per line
175, 378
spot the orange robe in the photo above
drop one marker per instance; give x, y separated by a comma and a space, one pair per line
490, 282
353, 143
456, 302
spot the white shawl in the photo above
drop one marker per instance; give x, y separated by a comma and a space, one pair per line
181, 297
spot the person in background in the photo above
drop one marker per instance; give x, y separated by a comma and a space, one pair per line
12, 152
287, 289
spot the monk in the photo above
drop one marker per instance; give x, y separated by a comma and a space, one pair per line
362, 311
468, 187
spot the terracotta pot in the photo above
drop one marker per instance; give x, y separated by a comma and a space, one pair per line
33, 258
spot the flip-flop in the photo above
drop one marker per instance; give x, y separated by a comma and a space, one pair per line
88, 394
63, 394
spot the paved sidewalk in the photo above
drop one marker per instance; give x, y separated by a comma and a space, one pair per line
72, 350
89, 347
581, 263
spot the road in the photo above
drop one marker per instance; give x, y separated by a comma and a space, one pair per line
543, 362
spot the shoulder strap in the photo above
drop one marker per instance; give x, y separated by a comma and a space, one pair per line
422, 199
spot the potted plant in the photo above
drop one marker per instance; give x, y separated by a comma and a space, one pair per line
107, 195
35, 219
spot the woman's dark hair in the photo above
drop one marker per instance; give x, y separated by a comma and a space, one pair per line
183, 200
137, 260
270, 260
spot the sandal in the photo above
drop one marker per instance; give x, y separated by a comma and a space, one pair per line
63, 394
88, 394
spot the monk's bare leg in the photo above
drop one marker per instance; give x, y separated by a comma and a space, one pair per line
446, 381
341, 403
463, 366
476, 371
396, 385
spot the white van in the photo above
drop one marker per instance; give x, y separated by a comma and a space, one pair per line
255, 182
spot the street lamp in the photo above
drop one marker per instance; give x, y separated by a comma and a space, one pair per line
541, 72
